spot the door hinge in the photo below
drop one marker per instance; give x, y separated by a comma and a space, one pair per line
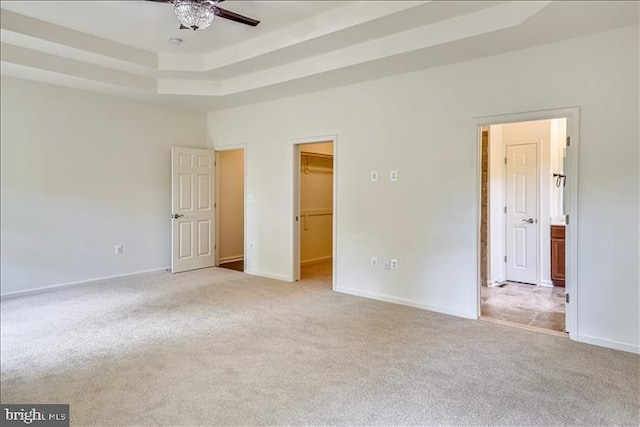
505, 209
505, 258
215, 205
505, 160
566, 220
568, 141
566, 298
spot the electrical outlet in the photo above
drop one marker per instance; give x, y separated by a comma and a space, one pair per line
374, 262
118, 249
393, 263
252, 245
393, 176
374, 176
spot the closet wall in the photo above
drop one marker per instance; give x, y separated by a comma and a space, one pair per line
316, 202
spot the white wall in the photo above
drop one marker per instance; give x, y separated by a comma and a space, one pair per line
230, 197
316, 203
423, 125
558, 143
82, 172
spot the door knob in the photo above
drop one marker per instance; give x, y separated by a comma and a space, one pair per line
529, 220
176, 216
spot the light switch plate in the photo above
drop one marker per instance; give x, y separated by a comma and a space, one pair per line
374, 176
393, 176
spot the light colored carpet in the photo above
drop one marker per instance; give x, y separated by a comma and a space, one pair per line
218, 347
525, 304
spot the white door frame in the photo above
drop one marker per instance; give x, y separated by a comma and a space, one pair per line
217, 149
572, 114
295, 203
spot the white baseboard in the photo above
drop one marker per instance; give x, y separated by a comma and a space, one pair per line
49, 288
403, 301
492, 283
616, 345
231, 259
316, 260
546, 283
270, 276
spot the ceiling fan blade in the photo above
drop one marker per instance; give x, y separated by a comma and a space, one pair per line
223, 13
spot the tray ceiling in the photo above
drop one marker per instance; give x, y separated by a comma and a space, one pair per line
121, 47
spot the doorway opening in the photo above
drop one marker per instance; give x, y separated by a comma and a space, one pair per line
314, 212
523, 225
230, 209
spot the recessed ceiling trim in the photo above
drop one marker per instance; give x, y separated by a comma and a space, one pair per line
433, 34
480, 22
36, 28
52, 48
353, 14
189, 87
57, 64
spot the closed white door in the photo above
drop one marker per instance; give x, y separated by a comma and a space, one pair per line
522, 211
193, 211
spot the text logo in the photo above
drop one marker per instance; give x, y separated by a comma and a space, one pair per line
34, 415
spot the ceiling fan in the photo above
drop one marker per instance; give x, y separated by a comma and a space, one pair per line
198, 14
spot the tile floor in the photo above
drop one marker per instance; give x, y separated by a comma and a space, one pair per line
530, 305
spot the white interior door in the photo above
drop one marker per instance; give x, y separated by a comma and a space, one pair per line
192, 184
522, 211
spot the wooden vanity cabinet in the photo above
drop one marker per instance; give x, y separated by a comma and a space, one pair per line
557, 255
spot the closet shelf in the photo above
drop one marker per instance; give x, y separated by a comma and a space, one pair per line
320, 155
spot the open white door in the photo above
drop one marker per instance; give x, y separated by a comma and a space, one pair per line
192, 183
522, 212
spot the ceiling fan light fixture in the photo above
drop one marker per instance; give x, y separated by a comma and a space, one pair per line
194, 14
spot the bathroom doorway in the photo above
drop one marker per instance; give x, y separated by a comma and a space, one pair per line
522, 223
